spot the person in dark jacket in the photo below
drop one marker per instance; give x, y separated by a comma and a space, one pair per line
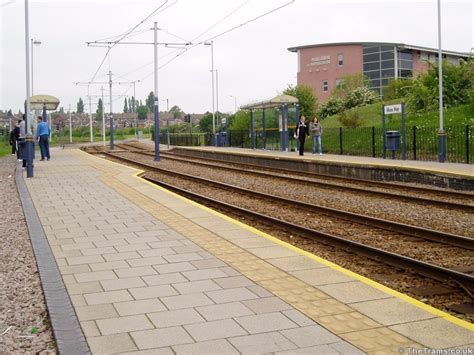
14, 137
301, 132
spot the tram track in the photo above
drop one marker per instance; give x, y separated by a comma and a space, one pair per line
445, 199
423, 268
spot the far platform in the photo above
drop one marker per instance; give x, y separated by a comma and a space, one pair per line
445, 175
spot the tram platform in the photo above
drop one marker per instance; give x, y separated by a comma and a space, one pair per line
444, 175
129, 267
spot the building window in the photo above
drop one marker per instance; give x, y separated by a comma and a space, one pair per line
340, 59
325, 86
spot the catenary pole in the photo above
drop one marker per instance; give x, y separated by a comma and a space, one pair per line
27, 51
29, 137
441, 132
217, 98
213, 107
90, 116
133, 109
70, 125
103, 116
155, 99
111, 115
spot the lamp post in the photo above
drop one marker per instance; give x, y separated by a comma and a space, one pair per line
36, 43
235, 103
213, 95
441, 132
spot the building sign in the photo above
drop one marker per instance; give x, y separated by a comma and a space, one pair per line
324, 59
391, 109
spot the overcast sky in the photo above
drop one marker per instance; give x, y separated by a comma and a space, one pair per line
252, 61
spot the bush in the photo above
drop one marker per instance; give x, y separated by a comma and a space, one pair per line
332, 107
350, 83
350, 119
397, 89
360, 96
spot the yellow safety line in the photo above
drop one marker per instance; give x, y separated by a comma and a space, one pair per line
462, 323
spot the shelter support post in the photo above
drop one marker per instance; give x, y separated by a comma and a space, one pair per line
284, 133
252, 133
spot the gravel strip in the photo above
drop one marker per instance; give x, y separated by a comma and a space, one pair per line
416, 248
24, 323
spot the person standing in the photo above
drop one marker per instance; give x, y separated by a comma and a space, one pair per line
42, 136
301, 132
21, 141
316, 131
14, 138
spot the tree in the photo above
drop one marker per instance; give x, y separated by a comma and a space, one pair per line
9, 113
129, 106
241, 121
205, 124
306, 99
176, 112
458, 83
133, 105
80, 106
99, 110
149, 101
142, 112
125, 106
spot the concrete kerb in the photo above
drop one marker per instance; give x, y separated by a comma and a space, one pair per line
66, 328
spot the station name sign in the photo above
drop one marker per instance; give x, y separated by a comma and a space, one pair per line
324, 59
392, 109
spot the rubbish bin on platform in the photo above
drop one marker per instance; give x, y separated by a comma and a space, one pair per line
393, 141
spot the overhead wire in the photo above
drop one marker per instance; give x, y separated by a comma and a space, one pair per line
124, 35
226, 31
194, 39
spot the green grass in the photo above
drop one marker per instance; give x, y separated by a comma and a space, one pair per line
372, 117
5, 148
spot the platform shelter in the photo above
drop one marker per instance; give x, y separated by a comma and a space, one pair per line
282, 102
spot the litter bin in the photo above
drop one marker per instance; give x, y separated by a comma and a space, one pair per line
393, 141
223, 136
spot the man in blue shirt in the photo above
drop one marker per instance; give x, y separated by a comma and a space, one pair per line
42, 136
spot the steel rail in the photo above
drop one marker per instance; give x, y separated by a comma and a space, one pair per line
406, 229
422, 268
325, 184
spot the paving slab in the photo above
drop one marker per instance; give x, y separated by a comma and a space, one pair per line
147, 271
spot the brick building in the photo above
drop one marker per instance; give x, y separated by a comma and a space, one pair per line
322, 66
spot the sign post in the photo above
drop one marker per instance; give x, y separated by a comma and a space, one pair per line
391, 110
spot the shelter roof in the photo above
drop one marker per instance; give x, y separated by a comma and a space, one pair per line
49, 101
275, 102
